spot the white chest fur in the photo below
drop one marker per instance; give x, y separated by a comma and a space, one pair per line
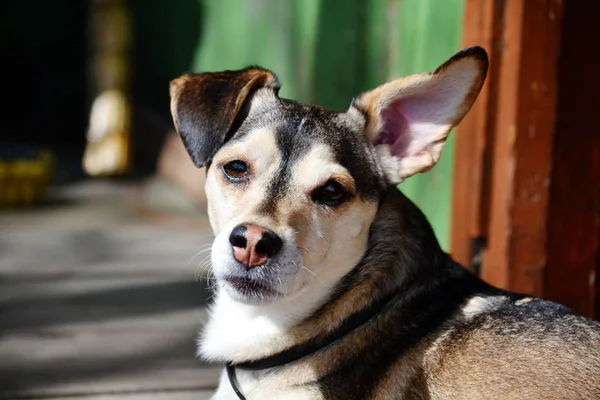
237, 331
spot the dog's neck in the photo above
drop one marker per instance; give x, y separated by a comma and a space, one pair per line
400, 241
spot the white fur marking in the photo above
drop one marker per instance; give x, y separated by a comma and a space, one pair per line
522, 301
478, 305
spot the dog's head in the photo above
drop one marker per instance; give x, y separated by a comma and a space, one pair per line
292, 188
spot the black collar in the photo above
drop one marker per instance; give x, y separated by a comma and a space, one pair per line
233, 380
303, 350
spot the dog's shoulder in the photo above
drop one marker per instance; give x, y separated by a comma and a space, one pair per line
506, 314
522, 339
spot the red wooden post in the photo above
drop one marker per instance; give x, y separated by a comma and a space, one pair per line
472, 165
527, 161
574, 209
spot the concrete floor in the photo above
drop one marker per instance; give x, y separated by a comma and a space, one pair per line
98, 301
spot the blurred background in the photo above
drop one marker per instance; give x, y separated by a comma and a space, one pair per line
103, 231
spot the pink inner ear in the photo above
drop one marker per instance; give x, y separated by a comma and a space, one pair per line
400, 124
395, 130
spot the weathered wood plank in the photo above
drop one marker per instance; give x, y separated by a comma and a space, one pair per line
515, 257
473, 147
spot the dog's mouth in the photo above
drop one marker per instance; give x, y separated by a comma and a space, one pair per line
250, 288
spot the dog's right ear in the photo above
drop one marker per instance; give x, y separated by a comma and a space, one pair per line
206, 106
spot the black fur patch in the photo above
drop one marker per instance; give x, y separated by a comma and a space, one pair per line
209, 107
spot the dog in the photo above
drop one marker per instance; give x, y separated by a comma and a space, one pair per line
330, 283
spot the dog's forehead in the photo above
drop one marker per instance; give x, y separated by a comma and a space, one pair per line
298, 126
298, 129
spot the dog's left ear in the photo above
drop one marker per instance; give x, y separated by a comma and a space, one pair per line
409, 119
205, 107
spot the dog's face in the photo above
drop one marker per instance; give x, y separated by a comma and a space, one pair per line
292, 189
300, 182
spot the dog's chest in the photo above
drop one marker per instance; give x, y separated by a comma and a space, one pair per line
255, 386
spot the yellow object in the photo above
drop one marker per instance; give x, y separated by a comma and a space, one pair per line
24, 181
108, 149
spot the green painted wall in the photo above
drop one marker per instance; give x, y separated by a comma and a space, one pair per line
327, 51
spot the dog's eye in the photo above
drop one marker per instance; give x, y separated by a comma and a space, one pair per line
332, 193
235, 170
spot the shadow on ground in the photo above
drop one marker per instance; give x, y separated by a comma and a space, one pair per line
97, 300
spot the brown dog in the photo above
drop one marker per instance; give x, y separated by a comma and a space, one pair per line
331, 283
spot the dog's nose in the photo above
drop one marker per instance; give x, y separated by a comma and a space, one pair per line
253, 245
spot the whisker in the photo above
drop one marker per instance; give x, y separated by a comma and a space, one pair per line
302, 249
204, 265
215, 287
204, 249
312, 273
